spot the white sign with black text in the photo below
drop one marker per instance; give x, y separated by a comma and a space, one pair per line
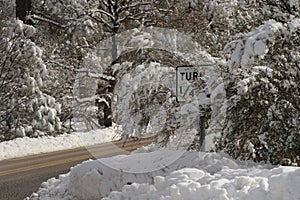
186, 77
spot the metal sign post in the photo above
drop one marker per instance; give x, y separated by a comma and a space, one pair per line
202, 129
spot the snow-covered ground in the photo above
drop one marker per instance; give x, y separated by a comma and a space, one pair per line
149, 175
28, 146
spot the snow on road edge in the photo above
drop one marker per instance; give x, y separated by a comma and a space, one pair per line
26, 146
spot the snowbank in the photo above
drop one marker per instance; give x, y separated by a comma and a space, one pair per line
28, 146
193, 175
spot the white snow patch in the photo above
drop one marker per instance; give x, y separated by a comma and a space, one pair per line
294, 25
254, 44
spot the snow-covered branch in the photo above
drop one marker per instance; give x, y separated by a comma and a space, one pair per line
44, 19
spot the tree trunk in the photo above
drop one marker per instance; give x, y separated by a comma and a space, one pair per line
114, 48
23, 8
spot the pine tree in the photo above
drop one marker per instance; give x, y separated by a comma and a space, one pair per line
25, 110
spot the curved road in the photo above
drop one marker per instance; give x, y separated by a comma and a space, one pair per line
20, 177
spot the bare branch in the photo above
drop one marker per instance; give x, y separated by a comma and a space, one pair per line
105, 13
132, 6
101, 20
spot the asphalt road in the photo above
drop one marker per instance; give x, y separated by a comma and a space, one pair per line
20, 177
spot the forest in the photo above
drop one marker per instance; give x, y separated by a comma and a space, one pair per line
99, 63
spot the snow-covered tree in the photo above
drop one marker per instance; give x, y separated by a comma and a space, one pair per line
70, 30
25, 110
123, 14
263, 106
144, 99
67, 35
8, 9
224, 20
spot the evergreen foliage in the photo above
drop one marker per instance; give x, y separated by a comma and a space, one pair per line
262, 119
25, 109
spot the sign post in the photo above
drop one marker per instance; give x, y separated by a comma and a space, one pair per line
186, 77
202, 130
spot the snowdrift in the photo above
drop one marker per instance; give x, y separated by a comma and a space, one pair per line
193, 175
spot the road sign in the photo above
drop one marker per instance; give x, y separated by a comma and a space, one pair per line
186, 77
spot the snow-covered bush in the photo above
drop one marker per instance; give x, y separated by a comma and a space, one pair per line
24, 109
